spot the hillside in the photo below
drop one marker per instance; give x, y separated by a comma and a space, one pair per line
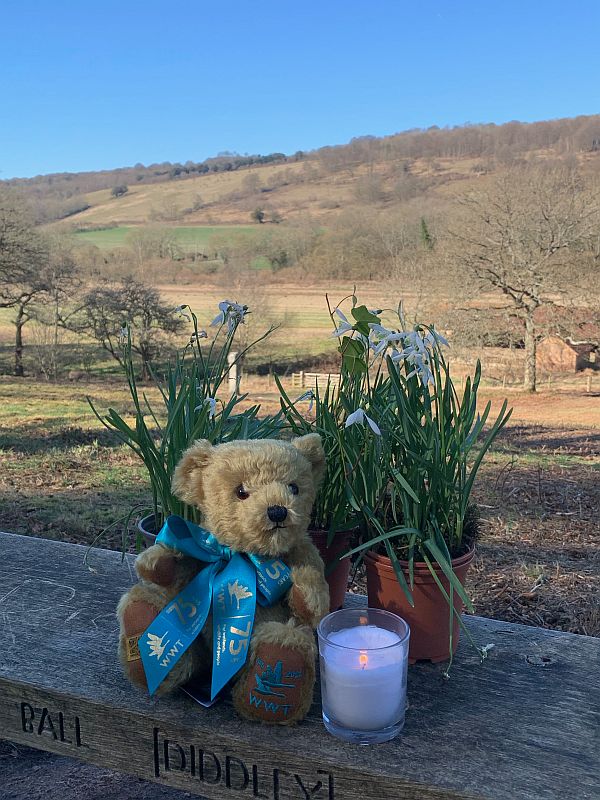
292, 192
368, 171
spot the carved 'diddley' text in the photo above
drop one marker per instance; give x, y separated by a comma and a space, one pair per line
231, 772
55, 725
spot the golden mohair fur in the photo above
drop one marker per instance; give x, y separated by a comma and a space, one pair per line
209, 477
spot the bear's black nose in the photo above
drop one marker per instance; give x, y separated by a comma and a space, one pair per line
276, 513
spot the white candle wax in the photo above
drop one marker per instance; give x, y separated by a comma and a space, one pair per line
363, 683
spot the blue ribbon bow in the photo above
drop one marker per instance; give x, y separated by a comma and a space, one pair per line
228, 584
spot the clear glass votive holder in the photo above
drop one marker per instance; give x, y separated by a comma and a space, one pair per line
364, 663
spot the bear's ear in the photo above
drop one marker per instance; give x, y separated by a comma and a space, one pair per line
187, 479
312, 449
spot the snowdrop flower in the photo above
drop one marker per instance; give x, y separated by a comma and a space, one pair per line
360, 416
199, 335
419, 360
232, 313
123, 334
386, 337
434, 338
309, 395
344, 326
212, 403
180, 310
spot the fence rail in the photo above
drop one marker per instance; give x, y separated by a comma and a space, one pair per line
310, 380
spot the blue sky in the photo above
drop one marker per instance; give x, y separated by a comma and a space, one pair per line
102, 84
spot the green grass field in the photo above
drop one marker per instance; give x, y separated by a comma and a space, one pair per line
189, 237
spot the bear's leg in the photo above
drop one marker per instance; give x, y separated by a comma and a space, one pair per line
276, 685
136, 610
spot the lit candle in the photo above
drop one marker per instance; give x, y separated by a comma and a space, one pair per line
363, 673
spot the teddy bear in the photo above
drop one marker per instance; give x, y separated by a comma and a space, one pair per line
255, 498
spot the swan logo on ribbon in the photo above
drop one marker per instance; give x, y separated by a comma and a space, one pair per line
157, 648
238, 592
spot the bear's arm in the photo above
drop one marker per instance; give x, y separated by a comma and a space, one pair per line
165, 567
309, 596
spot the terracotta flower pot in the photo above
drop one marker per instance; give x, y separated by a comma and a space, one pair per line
337, 579
429, 619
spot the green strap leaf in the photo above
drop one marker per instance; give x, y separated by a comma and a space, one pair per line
446, 568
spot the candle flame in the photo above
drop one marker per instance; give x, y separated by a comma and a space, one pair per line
363, 659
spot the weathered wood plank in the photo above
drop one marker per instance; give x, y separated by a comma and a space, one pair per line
525, 724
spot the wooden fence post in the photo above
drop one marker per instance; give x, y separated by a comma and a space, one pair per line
233, 374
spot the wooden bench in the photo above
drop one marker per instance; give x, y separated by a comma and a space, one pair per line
524, 724
309, 380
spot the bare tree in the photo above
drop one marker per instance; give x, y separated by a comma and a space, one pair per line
23, 261
106, 311
63, 280
526, 236
153, 242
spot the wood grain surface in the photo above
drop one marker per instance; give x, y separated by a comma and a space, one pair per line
524, 724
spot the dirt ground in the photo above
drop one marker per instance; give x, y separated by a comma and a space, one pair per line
538, 560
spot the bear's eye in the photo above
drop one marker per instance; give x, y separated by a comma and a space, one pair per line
293, 487
241, 493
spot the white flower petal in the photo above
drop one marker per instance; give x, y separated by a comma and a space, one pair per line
379, 347
309, 395
343, 328
179, 310
341, 315
232, 313
212, 403
380, 330
373, 425
360, 416
354, 417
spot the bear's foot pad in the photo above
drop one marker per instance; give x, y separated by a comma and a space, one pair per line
137, 616
277, 687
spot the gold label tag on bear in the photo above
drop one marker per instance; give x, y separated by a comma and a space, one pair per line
133, 648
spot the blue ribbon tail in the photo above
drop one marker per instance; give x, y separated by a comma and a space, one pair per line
173, 631
234, 607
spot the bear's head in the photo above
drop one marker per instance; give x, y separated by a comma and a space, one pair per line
255, 495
